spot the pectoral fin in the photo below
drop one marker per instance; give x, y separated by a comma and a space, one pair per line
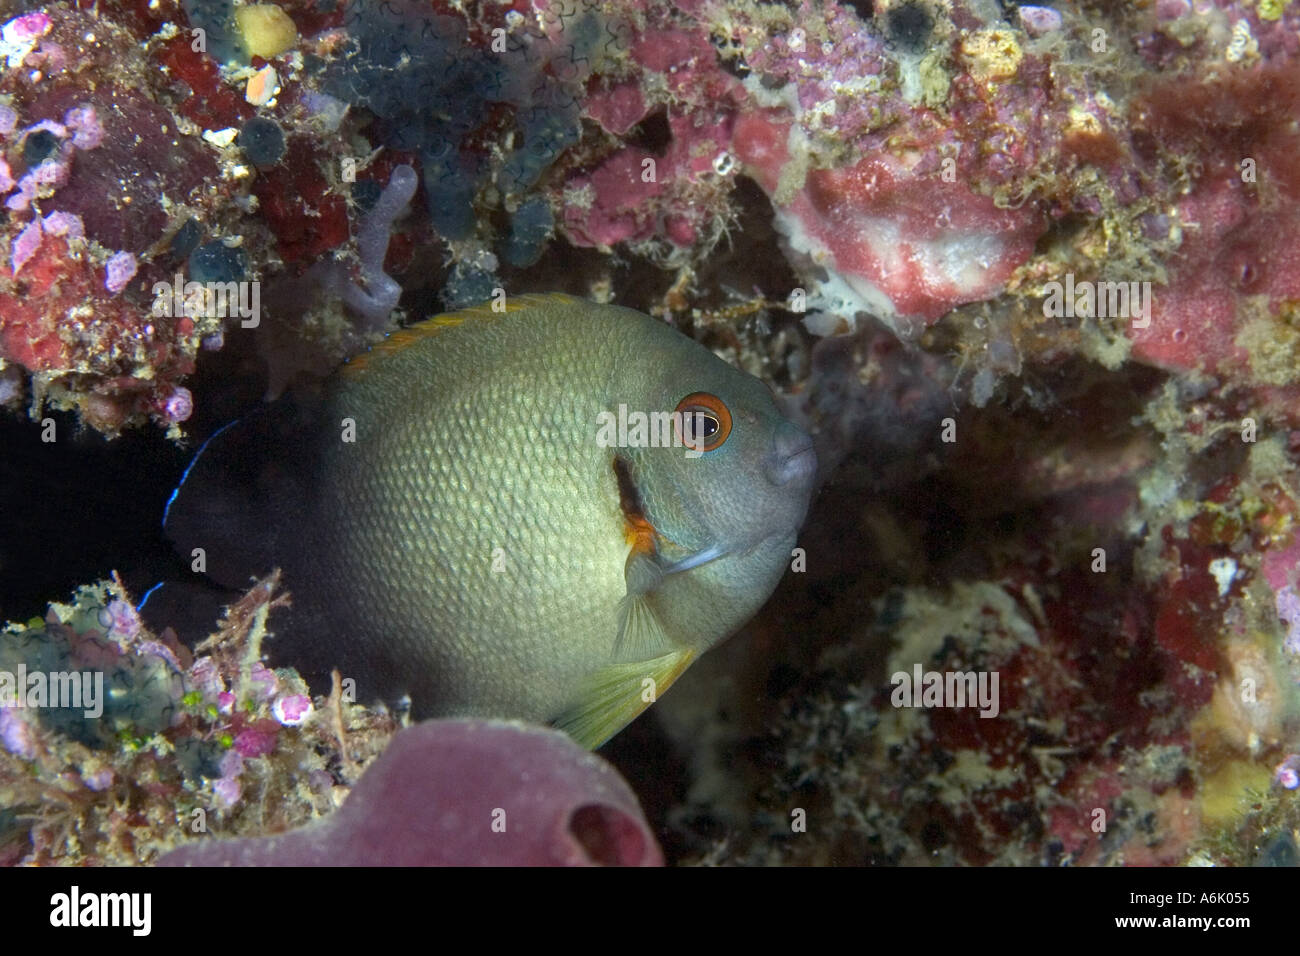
640, 635
613, 697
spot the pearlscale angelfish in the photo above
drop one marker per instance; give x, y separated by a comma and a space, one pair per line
454, 522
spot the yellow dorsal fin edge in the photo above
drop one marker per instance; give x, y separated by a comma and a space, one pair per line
484, 312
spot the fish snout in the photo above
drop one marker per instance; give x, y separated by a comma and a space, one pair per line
792, 460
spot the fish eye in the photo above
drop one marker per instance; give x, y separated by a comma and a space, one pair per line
703, 421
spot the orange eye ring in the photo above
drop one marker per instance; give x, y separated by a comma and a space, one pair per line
702, 412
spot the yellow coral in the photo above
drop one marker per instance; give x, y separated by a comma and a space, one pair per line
992, 54
1272, 9
267, 30
934, 80
1228, 792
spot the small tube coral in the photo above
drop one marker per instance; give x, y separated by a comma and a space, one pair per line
376, 301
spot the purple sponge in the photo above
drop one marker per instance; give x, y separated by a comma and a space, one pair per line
458, 793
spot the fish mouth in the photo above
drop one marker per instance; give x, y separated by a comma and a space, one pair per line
793, 461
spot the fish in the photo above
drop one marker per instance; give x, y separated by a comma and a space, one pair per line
542, 509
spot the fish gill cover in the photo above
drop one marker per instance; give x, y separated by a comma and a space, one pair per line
1027, 273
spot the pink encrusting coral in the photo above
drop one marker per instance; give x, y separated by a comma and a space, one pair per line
1230, 303
905, 243
677, 194
88, 195
463, 793
119, 270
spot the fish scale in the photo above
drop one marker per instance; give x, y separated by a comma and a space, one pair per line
476, 432
450, 583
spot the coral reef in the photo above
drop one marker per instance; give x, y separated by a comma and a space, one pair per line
146, 743
1130, 594
1028, 272
174, 745
918, 158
